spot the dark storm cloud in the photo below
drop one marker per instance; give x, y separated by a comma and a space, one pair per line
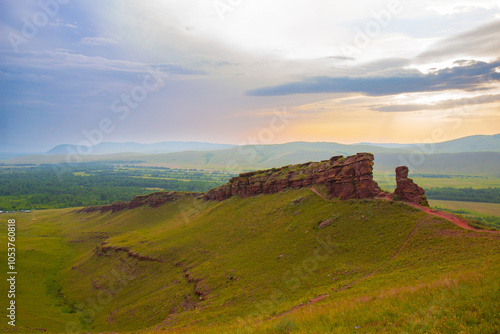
469, 76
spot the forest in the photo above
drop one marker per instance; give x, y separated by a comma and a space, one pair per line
75, 185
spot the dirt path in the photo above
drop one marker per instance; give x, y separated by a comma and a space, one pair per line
445, 215
450, 217
311, 301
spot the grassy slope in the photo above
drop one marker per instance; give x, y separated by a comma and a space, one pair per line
255, 259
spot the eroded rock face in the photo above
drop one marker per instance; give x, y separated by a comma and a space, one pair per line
407, 190
153, 200
344, 178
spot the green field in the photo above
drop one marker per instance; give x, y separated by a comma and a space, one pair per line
388, 181
492, 209
237, 266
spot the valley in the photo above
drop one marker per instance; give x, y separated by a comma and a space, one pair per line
293, 261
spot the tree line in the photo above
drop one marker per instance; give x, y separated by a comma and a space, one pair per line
486, 195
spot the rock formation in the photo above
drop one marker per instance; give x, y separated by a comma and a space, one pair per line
154, 200
344, 178
407, 190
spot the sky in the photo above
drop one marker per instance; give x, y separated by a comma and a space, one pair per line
247, 72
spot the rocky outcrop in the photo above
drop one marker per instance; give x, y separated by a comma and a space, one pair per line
345, 178
407, 190
154, 200
104, 249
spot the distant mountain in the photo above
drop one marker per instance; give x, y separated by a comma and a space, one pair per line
131, 147
478, 143
475, 155
386, 145
462, 163
262, 156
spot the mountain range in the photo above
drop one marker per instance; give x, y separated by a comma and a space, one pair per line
131, 147
474, 155
478, 143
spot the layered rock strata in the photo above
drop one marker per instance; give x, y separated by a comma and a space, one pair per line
153, 200
345, 178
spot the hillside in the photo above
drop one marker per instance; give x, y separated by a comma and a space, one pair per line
473, 155
292, 261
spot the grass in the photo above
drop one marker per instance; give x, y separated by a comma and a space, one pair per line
236, 266
40, 257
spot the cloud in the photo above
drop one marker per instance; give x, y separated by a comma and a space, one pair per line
479, 42
469, 77
59, 23
341, 58
99, 41
442, 105
52, 61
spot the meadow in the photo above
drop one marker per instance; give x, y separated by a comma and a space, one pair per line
253, 265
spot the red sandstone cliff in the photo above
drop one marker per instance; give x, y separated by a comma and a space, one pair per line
344, 178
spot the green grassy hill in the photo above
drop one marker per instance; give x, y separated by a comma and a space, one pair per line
253, 265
